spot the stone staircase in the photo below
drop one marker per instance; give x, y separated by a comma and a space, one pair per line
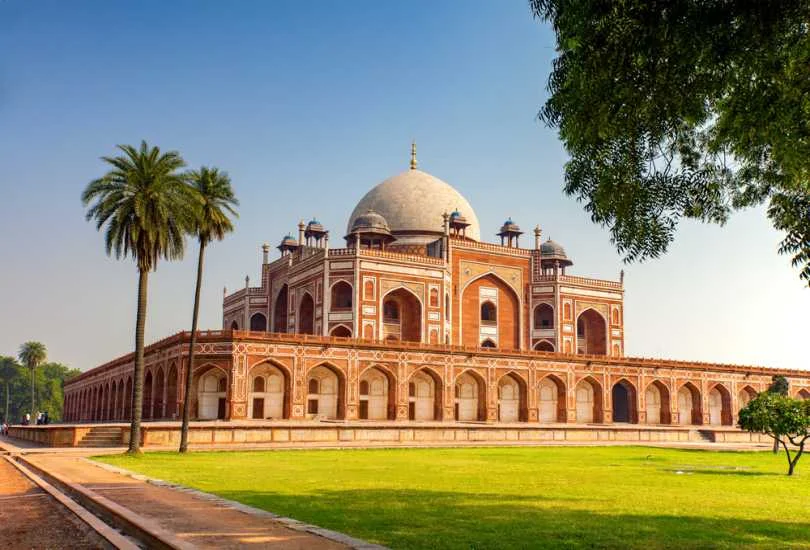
706, 435
102, 436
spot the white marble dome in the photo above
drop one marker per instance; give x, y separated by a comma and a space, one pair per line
413, 203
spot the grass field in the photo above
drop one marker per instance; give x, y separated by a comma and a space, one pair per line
619, 497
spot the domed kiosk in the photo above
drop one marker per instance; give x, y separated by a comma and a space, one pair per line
413, 203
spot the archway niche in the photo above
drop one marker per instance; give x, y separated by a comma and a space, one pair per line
377, 395
306, 315
656, 399
258, 322
488, 343
511, 398
471, 402
591, 333
146, 402
424, 396
341, 296
490, 288
803, 394
588, 396
111, 401
270, 388
551, 395
157, 399
325, 391
625, 402
212, 386
128, 400
544, 345
720, 406
341, 331
171, 392
280, 311
120, 401
402, 316
744, 396
689, 405
234, 325
543, 317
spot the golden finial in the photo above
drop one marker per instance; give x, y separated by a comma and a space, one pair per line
414, 164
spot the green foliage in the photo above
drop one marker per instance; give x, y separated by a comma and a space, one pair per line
785, 419
686, 109
779, 385
539, 497
49, 378
216, 202
144, 203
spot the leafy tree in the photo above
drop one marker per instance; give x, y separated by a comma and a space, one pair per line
9, 369
33, 354
146, 208
211, 221
779, 385
684, 109
785, 419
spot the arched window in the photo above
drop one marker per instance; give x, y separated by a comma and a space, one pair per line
313, 385
234, 325
258, 384
258, 322
341, 295
368, 290
567, 311
543, 317
434, 297
446, 307
390, 311
616, 317
489, 313
488, 344
544, 345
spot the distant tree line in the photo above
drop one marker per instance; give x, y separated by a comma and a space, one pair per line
30, 384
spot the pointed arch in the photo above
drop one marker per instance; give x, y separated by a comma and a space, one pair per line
544, 345
120, 401
690, 405
543, 316
425, 394
269, 383
234, 325
157, 394
552, 397
306, 314
592, 332
657, 403
172, 383
210, 385
341, 331
280, 308
258, 322
128, 400
744, 396
341, 293
588, 399
470, 396
146, 402
402, 315
377, 394
512, 398
329, 399
624, 399
509, 304
720, 405
803, 394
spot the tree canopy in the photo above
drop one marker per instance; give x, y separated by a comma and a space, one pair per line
49, 378
685, 109
785, 419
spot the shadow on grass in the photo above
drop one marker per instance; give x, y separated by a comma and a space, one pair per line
435, 519
719, 472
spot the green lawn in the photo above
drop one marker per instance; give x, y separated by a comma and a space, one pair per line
621, 497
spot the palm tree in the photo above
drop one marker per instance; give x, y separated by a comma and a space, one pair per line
32, 355
8, 370
217, 203
146, 208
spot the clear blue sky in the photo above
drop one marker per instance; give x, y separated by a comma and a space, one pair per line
308, 105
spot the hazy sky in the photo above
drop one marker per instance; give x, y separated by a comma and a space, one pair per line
308, 105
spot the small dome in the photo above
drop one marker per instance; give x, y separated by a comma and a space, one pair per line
551, 248
289, 240
370, 222
510, 227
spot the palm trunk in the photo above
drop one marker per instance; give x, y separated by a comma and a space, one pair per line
137, 394
192, 342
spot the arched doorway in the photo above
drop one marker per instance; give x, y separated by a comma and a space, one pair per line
689, 405
341, 296
656, 399
157, 407
511, 398
341, 331
424, 396
402, 316
719, 406
588, 395
591, 333
803, 394
280, 311
501, 302
306, 315
543, 317
128, 400
211, 394
268, 396
551, 393
624, 400
324, 393
146, 403
234, 325
258, 322
544, 345
470, 397
171, 392
376, 395
745, 396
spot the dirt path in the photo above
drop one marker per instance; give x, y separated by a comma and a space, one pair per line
31, 518
202, 522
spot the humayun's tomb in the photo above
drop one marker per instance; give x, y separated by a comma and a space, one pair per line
416, 320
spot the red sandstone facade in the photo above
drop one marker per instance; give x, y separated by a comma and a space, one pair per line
416, 319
